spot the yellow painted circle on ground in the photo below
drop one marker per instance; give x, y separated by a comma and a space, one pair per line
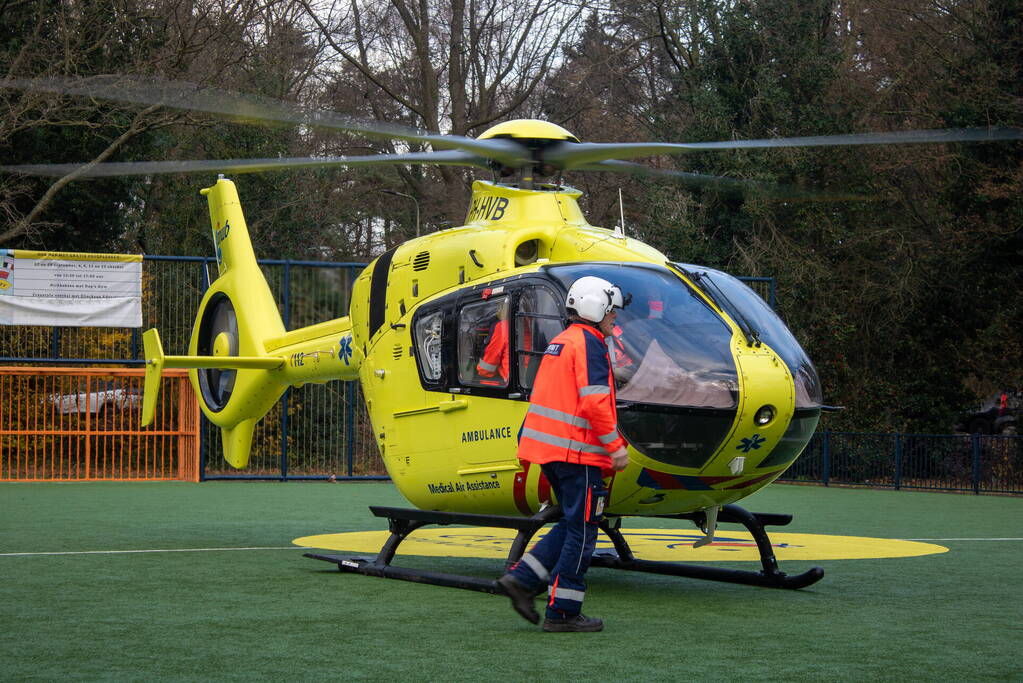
668, 545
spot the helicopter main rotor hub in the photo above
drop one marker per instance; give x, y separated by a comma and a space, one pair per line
534, 136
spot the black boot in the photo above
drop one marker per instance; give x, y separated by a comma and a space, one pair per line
577, 623
521, 597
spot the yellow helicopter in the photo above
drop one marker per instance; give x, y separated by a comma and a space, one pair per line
716, 398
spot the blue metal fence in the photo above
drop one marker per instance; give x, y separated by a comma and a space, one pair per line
941, 462
320, 431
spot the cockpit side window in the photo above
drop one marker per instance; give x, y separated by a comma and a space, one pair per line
489, 347
484, 343
537, 321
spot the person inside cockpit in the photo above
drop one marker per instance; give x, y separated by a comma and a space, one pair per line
494, 361
623, 364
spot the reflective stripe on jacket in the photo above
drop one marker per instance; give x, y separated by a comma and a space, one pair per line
572, 416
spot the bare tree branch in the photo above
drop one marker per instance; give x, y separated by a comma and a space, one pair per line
139, 124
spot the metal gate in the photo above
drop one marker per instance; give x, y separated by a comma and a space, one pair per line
76, 424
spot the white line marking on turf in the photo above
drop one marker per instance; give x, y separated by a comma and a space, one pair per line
960, 539
164, 550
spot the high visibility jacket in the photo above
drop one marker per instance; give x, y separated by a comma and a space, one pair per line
572, 416
495, 355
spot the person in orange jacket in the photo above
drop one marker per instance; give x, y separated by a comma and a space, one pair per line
621, 362
571, 431
494, 362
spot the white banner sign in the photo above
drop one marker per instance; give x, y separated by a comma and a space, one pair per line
70, 290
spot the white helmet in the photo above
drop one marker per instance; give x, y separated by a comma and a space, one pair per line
592, 298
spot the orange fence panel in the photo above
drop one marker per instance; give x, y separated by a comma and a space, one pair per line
82, 424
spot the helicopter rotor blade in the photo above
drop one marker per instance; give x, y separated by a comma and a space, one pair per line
465, 151
254, 108
573, 155
236, 166
732, 185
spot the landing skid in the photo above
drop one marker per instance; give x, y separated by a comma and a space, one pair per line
402, 522
768, 577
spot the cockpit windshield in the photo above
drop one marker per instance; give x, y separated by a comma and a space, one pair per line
669, 347
752, 312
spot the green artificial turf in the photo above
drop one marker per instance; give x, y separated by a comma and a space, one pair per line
272, 614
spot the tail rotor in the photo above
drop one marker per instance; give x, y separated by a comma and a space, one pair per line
217, 336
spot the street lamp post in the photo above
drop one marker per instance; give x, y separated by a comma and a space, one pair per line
414, 201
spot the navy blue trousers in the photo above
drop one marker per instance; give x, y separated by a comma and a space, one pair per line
560, 559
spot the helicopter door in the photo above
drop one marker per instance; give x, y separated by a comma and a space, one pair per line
537, 321
484, 338
490, 425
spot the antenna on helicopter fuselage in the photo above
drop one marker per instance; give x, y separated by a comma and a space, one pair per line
620, 228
